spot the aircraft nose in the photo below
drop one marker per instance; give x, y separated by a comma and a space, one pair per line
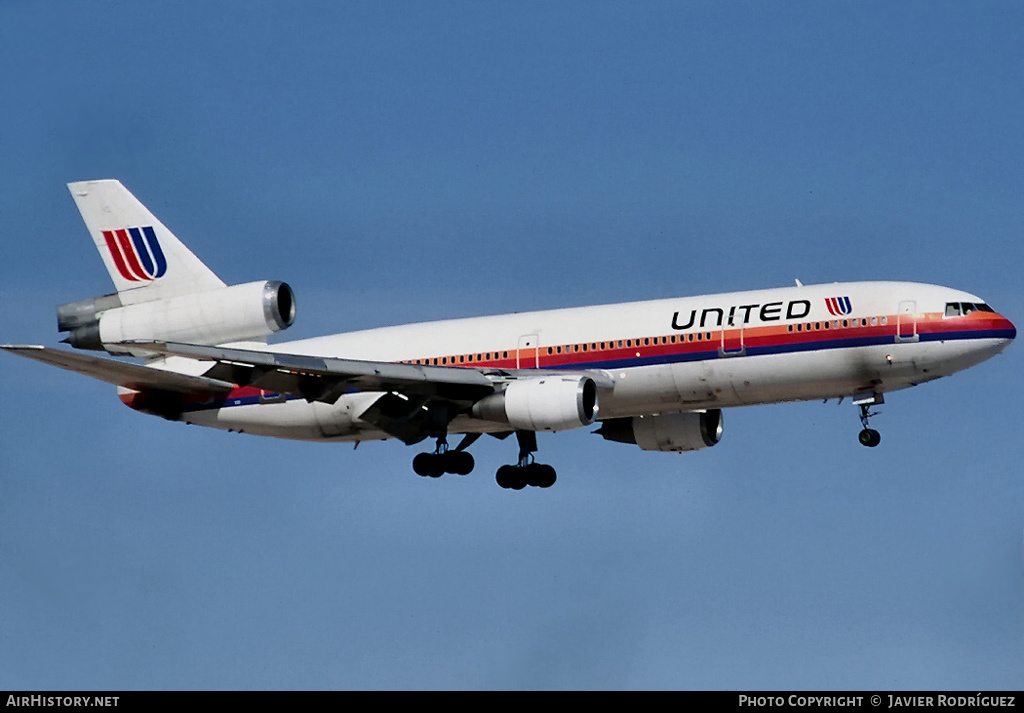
1003, 329
1011, 331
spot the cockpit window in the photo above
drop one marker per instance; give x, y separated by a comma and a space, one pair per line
955, 309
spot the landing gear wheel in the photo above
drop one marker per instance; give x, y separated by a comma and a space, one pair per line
510, 477
869, 437
517, 477
540, 475
428, 464
459, 462
526, 471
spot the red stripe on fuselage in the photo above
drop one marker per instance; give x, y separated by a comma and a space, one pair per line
777, 336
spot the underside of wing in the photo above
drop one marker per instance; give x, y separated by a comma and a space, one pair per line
326, 379
132, 376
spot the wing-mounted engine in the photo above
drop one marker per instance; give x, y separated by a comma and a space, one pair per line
228, 314
544, 403
671, 432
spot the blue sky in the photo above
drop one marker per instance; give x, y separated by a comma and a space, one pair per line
403, 161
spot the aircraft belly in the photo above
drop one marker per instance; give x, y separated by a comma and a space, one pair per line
663, 388
341, 417
748, 380
292, 419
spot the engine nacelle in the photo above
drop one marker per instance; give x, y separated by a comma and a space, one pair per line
672, 432
229, 314
544, 403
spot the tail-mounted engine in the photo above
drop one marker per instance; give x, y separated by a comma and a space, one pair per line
228, 314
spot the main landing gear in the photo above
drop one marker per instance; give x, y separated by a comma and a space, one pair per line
442, 460
526, 472
868, 436
460, 462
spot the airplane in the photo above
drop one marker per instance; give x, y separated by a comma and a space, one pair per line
656, 374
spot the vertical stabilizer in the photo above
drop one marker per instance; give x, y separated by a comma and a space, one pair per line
145, 259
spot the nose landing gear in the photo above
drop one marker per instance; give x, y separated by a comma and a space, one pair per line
868, 436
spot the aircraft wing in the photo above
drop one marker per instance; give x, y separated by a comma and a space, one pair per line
415, 399
132, 376
326, 378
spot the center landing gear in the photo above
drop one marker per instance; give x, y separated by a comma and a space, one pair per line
526, 472
442, 460
868, 436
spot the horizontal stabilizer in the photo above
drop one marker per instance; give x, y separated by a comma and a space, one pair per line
132, 376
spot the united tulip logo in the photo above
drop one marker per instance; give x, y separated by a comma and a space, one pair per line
838, 306
136, 253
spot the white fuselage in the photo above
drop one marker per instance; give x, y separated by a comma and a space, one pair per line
663, 356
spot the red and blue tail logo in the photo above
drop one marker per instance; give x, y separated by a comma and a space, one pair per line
838, 306
137, 253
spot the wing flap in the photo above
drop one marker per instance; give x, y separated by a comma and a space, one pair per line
132, 376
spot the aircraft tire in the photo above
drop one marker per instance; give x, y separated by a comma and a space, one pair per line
510, 477
459, 462
539, 475
428, 464
546, 476
869, 437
